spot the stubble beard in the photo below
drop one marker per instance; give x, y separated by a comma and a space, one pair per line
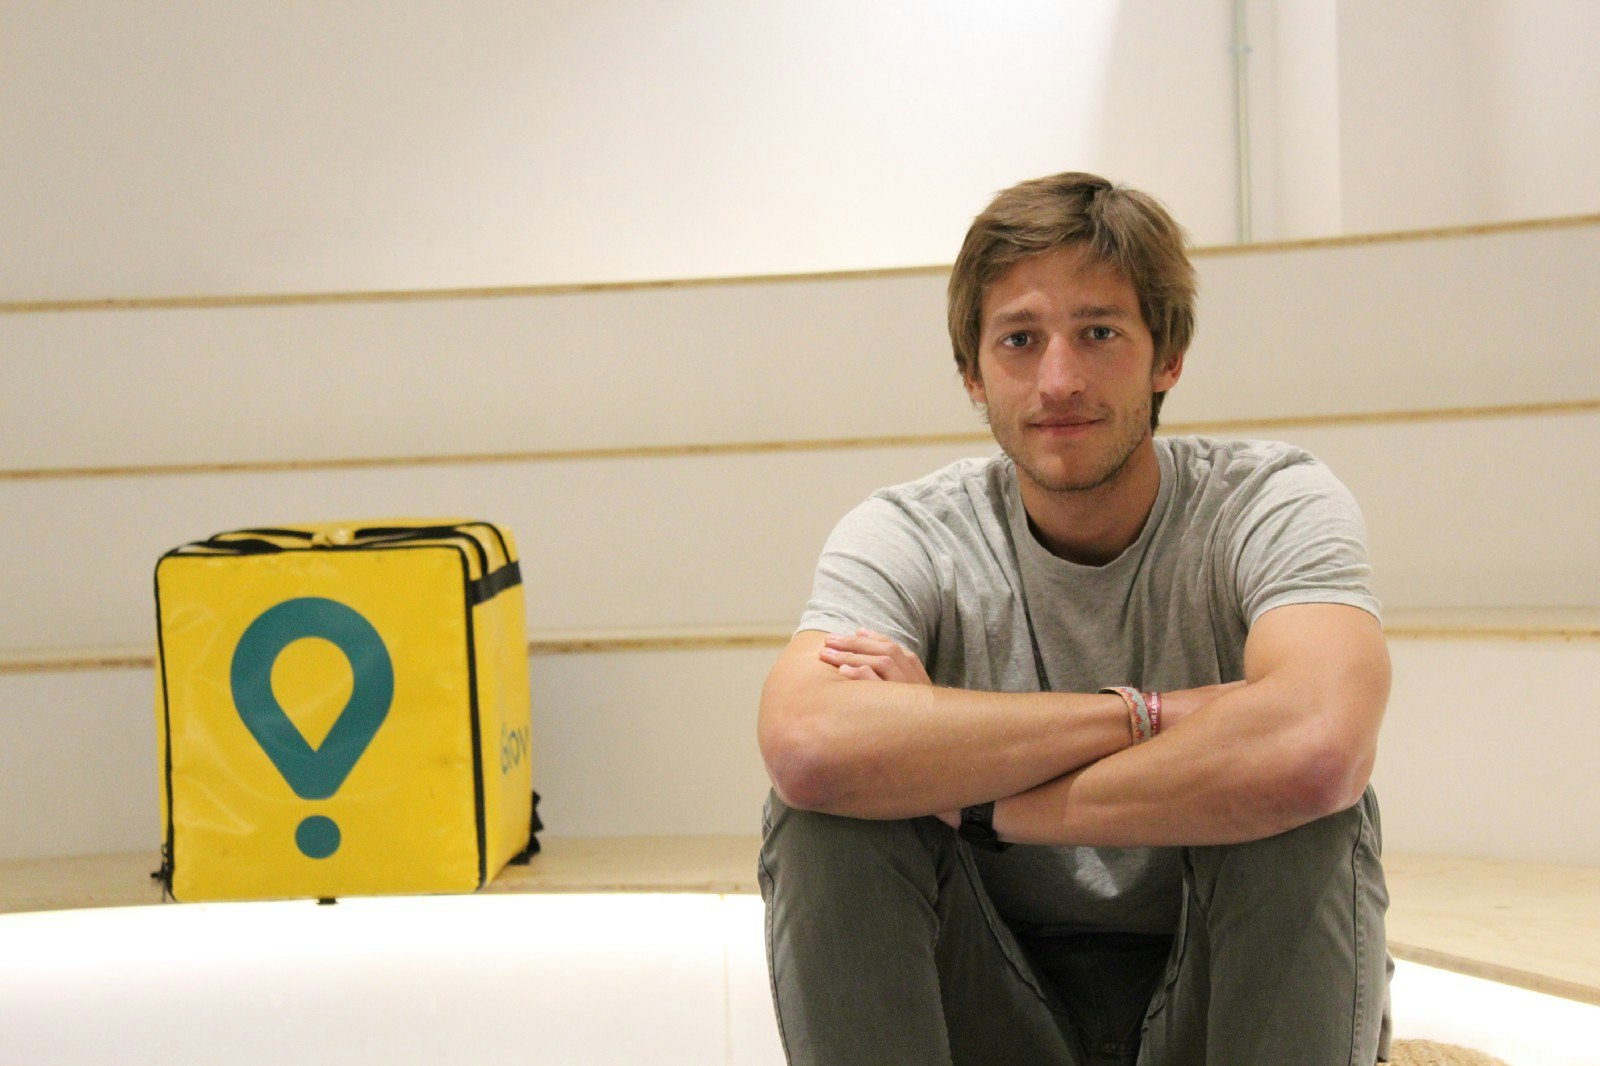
1130, 432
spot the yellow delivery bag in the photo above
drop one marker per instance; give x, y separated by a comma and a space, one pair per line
342, 709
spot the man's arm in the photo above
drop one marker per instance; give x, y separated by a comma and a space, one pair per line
1296, 743
864, 734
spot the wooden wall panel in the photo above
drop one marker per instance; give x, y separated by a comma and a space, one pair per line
678, 365
1476, 757
1478, 320
1460, 514
649, 542
1482, 320
1481, 513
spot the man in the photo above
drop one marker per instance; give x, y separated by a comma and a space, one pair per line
1196, 877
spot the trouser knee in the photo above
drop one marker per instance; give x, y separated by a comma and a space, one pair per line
827, 853
1302, 861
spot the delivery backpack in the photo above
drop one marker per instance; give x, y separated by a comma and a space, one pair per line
342, 710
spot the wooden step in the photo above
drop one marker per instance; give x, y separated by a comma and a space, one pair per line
1523, 924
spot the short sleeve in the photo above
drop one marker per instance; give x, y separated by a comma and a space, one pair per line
1300, 538
876, 573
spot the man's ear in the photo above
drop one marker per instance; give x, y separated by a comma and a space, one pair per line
1167, 376
972, 381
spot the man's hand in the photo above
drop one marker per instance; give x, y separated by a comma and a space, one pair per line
868, 656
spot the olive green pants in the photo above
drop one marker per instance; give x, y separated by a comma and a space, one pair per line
884, 949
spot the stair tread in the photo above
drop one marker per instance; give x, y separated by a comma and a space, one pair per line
1530, 925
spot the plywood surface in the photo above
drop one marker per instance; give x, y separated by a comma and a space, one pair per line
720, 864
79, 881
1524, 924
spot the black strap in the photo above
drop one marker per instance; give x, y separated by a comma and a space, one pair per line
394, 534
489, 586
242, 546
522, 857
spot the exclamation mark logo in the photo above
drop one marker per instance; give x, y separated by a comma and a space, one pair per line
313, 773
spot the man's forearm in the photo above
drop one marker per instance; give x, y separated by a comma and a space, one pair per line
1207, 782
1296, 744
889, 750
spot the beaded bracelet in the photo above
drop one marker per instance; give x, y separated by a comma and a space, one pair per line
1138, 711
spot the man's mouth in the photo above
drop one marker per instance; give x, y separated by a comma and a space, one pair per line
1063, 423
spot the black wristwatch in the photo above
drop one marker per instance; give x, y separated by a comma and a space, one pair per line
977, 827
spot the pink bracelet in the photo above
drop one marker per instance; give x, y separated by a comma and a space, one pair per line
1152, 700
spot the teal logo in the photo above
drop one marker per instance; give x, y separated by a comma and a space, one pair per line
313, 773
513, 748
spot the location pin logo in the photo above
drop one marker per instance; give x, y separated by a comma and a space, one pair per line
313, 773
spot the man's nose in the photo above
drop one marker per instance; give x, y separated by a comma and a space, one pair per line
1060, 370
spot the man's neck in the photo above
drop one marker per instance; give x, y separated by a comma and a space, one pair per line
1094, 526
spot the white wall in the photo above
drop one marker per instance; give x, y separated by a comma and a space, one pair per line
1381, 115
1294, 118
1411, 117
174, 148
1540, 71
1472, 111
234, 146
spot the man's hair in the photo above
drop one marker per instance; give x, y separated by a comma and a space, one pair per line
1119, 227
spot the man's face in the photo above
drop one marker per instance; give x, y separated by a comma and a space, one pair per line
1065, 363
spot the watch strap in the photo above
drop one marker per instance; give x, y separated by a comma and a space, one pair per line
977, 827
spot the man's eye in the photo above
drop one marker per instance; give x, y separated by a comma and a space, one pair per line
1101, 333
1014, 340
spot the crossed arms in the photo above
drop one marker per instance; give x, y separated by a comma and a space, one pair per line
852, 726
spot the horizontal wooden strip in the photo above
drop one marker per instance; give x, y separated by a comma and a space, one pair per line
1490, 633
489, 292
571, 642
548, 455
150, 303
1409, 236
1488, 971
542, 642
680, 451
1348, 419
1530, 624
1494, 623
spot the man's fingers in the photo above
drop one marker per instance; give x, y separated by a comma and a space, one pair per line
863, 641
837, 657
859, 673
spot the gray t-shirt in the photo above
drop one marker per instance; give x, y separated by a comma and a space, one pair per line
948, 566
